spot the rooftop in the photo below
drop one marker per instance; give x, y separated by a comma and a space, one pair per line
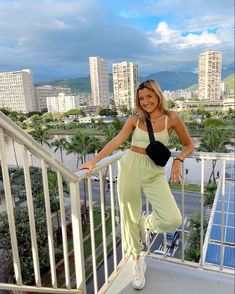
167, 277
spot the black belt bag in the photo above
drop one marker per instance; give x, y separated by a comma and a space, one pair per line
157, 151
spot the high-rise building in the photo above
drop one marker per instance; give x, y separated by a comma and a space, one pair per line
209, 75
17, 91
99, 81
42, 92
125, 81
62, 103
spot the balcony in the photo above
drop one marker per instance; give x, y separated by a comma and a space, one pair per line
165, 270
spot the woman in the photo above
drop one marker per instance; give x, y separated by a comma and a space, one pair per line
145, 175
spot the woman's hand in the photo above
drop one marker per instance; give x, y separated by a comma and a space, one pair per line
176, 171
87, 165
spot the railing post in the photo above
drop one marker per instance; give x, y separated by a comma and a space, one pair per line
77, 237
10, 210
103, 227
63, 230
222, 217
32, 226
202, 211
113, 218
49, 224
183, 215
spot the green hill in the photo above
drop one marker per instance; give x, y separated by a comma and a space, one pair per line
229, 81
167, 80
78, 85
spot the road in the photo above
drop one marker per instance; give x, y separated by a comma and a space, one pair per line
191, 199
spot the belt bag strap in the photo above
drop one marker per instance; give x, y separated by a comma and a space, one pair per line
150, 130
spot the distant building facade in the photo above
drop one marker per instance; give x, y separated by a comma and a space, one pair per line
99, 81
17, 91
62, 103
173, 95
125, 82
209, 75
42, 92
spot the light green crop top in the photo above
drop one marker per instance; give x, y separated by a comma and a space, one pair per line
140, 138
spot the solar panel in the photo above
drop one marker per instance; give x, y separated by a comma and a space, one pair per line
229, 256
213, 253
230, 235
214, 242
231, 220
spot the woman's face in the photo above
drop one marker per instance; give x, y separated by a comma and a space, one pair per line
148, 100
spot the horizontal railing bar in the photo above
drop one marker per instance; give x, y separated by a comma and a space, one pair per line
33, 146
118, 155
30, 289
185, 262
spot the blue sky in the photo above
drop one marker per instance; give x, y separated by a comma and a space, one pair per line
55, 38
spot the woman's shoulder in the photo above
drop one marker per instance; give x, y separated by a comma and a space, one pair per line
173, 116
132, 120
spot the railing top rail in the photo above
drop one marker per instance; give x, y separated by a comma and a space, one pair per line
116, 156
14, 131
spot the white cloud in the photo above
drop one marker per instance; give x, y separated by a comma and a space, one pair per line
203, 39
175, 39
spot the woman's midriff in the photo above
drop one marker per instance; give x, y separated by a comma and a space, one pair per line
138, 149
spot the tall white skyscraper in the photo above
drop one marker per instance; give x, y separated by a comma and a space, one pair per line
209, 75
125, 81
99, 81
17, 91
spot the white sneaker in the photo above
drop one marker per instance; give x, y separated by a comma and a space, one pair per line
138, 271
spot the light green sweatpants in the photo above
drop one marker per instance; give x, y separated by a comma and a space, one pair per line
139, 173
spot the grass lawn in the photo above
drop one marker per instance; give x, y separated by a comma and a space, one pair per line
187, 187
88, 131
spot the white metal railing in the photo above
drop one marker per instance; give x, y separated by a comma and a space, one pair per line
30, 146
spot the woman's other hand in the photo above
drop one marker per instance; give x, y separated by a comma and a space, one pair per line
176, 171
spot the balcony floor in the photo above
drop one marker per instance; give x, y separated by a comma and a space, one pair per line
166, 277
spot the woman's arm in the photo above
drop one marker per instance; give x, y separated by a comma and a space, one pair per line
179, 127
111, 145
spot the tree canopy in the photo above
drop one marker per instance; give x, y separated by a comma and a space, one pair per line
24, 241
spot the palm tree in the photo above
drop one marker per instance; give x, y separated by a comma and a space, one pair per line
175, 143
60, 144
80, 144
118, 124
215, 140
40, 134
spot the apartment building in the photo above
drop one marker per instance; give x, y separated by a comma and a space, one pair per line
209, 75
17, 91
42, 92
173, 95
99, 81
62, 103
125, 81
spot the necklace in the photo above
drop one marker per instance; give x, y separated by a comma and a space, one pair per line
153, 120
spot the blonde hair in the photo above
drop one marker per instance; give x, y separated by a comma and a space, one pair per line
153, 86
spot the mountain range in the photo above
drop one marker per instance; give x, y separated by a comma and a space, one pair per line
168, 80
